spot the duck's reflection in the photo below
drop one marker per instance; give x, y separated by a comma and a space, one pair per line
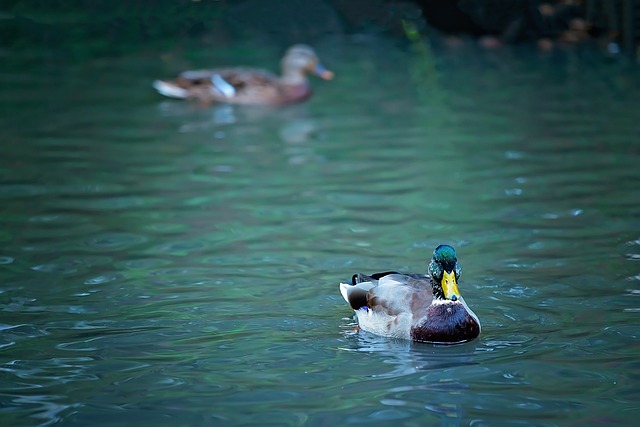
293, 127
428, 373
194, 118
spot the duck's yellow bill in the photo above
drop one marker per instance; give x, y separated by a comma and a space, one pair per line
322, 72
450, 286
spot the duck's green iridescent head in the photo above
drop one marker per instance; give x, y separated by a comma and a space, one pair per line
445, 272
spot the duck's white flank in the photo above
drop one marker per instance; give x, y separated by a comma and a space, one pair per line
223, 86
383, 324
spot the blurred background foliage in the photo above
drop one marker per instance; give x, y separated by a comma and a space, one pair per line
76, 30
116, 26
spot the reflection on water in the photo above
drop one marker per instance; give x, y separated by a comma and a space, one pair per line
433, 371
172, 264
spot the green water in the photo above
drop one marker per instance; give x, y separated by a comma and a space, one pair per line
166, 264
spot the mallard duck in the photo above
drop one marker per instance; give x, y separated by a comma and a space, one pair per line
243, 85
420, 307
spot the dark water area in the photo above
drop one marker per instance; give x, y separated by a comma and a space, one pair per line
163, 263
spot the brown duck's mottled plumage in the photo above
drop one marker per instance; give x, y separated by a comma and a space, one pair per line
413, 306
249, 86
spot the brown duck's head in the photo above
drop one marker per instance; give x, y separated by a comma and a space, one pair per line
301, 58
445, 272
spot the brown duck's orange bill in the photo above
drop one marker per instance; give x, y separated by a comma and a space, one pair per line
450, 286
322, 72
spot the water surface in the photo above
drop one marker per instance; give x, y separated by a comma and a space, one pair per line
167, 264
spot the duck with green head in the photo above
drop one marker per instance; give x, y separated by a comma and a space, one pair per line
249, 86
419, 307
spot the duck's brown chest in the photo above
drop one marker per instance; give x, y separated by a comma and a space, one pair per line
446, 324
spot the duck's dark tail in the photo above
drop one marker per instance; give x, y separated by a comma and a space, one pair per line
356, 295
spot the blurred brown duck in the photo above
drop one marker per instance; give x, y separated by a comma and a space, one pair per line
249, 86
